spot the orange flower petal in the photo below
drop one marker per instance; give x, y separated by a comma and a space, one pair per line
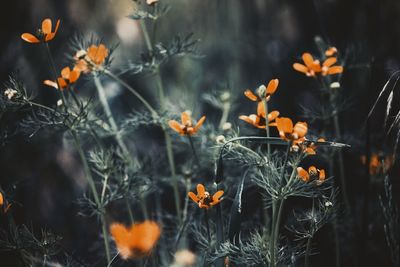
144, 237
57, 25
122, 238
30, 38
193, 197
322, 175
176, 126
284, 125
250, 95
335, 70
199, 124
51, 83
301, 129
300, 67
329, 61
217, 196
273, 115
201, 190
74, 76
65, 72
308, 60
46, 26
1, 199
312, 170
272, 86
303, 174
186, 119
331, 51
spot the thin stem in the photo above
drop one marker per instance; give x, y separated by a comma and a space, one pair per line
160, 87
307, 255
112, 260
275, 235
225, 113
129, 208
264, 102
193, 150
146, 36
289, 145
207, 225
109, 115
103, 191
105, 237
134, 92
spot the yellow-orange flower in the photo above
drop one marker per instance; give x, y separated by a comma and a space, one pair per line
204, 199
259, 120
44, 34
318, 174
137, 240
186, 127
268, 91
288, 132
68, 77
92, 59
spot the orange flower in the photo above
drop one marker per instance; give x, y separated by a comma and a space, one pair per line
91, 60
259, 121
310, 148
68, 77
44, 34
312, 66
137, 240
186, 127
318, 174
267, 91
204, 199
3, 204
375, 164
288, 132
331, 51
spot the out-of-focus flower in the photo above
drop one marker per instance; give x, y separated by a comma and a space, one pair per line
92, 59
67, 78
263, 91
288, 132
313, 172
184, 258
331, 51
186, 127
220, 139
59, 102
378, 164
225, 96
311, 147
204, 199
137, 240
10, 93
259, 121
44, 34
334, 85
4, 206
328, 204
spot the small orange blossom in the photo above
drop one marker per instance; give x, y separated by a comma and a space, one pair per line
204, 199
186, 127
44, 34
259, 120
68, 77
304, 175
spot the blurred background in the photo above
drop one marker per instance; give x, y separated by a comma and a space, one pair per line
242, 44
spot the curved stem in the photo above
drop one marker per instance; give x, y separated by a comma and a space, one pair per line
307, 255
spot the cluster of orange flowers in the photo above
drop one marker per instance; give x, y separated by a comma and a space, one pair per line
87, 61
318, 175
312, 67
378, 164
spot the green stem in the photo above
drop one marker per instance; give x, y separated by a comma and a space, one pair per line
160, 87
307, 255
275, 234
207, 225
146, 36
225, 113
193, 150
105, 237
133, 91
129, 208
264, 102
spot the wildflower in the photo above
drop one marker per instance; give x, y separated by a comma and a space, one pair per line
44, 34
262, 92
318, 174
10, 93
376, 166
311, 147
311, 66
186, 127
184, 258
259, 121
68, 77
204, 199
92, 59
137, 240
288, 132
331, 51
3, 204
